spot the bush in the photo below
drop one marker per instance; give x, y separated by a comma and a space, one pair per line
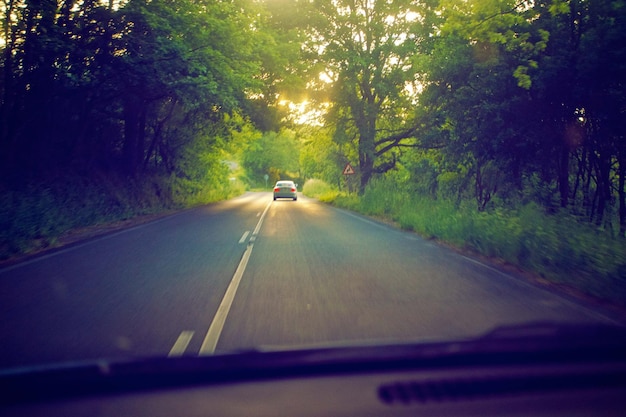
320, 190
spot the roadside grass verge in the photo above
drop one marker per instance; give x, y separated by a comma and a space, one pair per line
557, 247
320, 190
36, 215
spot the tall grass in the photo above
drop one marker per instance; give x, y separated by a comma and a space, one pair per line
319, 189
556, 246
189, 193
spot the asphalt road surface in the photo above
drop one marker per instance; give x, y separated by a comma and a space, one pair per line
254, 272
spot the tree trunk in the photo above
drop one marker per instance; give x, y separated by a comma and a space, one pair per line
604, 187
564, 176
622, 193
132, 135
366, 168
365, 113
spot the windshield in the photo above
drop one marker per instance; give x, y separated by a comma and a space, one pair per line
460, 166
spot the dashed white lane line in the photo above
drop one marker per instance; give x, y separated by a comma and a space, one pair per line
215, 330
258, 225
181, 344
244, 237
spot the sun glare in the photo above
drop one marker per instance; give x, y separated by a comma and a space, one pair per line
305, 112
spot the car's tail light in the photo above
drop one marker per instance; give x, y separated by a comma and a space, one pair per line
277, 189
293, 190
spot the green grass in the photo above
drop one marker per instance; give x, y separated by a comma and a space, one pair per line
320, 190
188, 193
557, 246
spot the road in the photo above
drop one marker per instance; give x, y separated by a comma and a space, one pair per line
255, 272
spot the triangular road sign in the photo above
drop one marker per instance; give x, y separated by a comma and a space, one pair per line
348, 170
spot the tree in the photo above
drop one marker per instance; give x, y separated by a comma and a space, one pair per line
278, 38
369, 54
275, 154
579, 95
476, 94
320, 156
87, 85
186, 62
528, 98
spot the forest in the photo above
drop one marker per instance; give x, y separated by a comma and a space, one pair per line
114, 108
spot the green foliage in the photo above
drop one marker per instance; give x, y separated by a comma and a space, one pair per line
139, 97
559, 7
320, 190
275, 154
203, 176
512, 96
320, 156
368, 51
118, 88
282, 67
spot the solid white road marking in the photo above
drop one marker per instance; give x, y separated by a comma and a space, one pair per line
215, 330
378, 225
562, 299
181, 344
244, 237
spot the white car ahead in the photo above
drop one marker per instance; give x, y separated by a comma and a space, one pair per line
286, 189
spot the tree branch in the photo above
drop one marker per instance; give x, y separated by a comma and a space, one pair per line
393, 140
397, 137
